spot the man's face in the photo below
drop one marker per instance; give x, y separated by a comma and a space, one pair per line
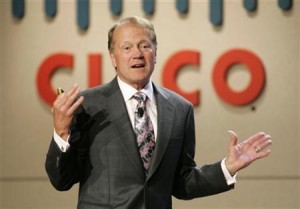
133, 54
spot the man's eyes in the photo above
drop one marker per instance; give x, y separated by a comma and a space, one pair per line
126, 48
141, 47
145, 46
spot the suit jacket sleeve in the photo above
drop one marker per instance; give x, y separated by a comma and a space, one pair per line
61, 167
64, 169
192, 181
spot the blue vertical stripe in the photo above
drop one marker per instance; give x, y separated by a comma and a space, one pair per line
148, 6
216, 12
116, 6
83, 14
250, 5
18, 8
285, 4
50, 7
182, 6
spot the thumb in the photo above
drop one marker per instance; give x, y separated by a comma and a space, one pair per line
233, 137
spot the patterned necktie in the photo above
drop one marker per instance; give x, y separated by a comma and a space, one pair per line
144, 130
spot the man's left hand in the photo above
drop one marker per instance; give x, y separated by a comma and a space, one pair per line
243, 154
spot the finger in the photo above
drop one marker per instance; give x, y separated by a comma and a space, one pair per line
255, 137
72, 97
72, 90
249, 143
263, 145
262, 141
233, 138
263, 154
58, 104
75, 106
63, 96
60, 101
64, 101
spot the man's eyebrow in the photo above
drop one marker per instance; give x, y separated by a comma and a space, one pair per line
126, 43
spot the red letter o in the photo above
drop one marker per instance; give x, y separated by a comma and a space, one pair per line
256, 69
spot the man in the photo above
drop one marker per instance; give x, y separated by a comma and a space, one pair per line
130, 143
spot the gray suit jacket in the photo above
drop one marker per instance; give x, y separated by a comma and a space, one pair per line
104, 159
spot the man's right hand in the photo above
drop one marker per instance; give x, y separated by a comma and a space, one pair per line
63, 110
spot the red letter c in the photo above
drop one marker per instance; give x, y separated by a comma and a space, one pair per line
46, 71
171, 70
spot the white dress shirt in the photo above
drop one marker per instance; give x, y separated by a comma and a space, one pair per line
127, 92
131, 103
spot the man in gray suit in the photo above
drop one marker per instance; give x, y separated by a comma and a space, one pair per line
130, 143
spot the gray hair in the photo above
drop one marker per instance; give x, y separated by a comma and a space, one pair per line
134, 20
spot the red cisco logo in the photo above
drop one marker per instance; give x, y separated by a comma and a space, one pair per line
170, 71
173, 65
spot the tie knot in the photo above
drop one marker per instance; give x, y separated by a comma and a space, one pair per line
140, 96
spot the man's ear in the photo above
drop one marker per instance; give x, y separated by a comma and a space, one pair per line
113, 60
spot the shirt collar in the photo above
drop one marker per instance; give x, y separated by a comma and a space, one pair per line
128, 91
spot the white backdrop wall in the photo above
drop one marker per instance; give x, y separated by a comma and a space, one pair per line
272, 34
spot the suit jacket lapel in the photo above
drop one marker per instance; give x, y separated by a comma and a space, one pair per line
165, 119
121, 121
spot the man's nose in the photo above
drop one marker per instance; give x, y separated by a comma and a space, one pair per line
137, 53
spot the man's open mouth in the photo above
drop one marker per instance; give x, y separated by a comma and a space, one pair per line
138, 66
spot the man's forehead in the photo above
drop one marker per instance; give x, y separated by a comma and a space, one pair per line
130, 31
126, 25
